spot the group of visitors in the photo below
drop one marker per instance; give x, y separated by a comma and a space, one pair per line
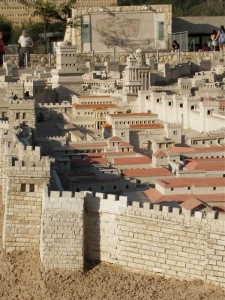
25, 43
215, 43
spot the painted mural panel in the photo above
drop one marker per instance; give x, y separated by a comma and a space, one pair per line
123, 31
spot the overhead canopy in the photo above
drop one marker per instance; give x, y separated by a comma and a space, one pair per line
203, 25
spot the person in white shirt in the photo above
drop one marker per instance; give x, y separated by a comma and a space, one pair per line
25, 43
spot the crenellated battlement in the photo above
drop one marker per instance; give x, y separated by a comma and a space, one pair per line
64, 200
173, 213
55, 105
27, 103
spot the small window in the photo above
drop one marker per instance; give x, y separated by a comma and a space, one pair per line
171, 189
114, 187
32, 188
192, 107
189, 188
17, 116
157, 100
23, 187
127, 186
214, 188
181, 105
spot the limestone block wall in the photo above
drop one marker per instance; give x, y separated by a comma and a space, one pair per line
121, 57
100, 226
155, 239
62, 231
23, 203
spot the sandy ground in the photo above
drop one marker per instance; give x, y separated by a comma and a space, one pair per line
23, 277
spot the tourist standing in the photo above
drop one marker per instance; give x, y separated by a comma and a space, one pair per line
221, 38
25, 44
2, 49
214, 40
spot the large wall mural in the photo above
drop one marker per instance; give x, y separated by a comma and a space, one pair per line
127, 32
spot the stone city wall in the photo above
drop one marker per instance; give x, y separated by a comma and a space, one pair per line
161, 57
155, 239
62, 230
71, 229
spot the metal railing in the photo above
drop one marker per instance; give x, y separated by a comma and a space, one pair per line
181, 38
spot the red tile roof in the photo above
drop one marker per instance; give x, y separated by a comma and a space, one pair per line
112, 153
146, 172
128, 115
199, 149
106, 125
185, 182
132, 160
88, 145
155, 196
127, 145
94, 106
216, 160
159, 153
222, 103
191, 203
143, 126
115, 139
194, 165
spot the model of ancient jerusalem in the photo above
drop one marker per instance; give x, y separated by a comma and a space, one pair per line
112, 154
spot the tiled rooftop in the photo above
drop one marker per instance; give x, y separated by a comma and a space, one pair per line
88, 145
132, 160
185, 182
159, 153
115, 139
196, 149
194, 165
155, 196
191, 203
106, 125
146, 126
94, 106
146, 172
128, 115
124, 144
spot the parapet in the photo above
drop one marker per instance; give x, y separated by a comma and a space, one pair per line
173, 214
104, 202
64, 200
55, 105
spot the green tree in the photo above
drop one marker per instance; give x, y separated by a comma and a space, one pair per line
6, 28
49, 11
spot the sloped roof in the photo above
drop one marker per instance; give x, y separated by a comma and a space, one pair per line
114, 139
185, 182
191, 203
146, 126
146, 172
132, 160
159, 153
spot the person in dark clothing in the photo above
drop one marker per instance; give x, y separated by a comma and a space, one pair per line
175, 46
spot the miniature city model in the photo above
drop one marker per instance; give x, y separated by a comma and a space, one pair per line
116, 162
